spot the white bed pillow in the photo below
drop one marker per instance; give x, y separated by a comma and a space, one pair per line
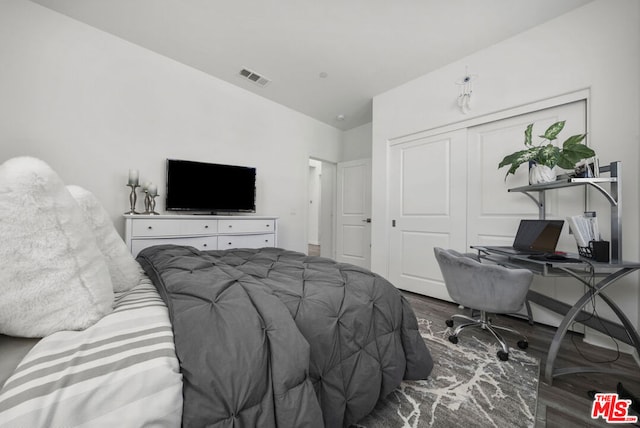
125, 271
52, 275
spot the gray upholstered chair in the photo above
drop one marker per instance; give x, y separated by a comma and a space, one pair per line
489, 288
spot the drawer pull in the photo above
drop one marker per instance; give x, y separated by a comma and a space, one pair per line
206, 226
204, 245
230, 226
229, 243
149, 227
267, 224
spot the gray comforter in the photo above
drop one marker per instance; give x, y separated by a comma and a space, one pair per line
271, 337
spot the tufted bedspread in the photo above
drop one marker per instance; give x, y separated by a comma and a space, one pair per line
270, 337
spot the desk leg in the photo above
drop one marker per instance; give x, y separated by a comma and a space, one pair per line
575, 310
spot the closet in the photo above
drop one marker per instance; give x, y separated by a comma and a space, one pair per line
445, 190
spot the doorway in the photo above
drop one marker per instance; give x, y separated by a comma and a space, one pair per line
321, 208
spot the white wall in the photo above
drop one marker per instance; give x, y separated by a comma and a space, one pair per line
93, 106
356, 143
596, 47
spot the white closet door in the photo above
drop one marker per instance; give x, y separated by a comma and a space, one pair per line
427, 202
494, 213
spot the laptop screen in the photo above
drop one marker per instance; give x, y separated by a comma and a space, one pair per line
538, 235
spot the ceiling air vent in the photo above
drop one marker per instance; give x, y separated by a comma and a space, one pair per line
254, 77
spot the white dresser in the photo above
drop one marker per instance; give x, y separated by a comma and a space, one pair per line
205, 232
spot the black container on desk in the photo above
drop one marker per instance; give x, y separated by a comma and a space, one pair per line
597, 250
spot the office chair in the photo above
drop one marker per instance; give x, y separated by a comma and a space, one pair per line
489, 288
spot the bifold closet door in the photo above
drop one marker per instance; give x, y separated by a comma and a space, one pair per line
427, 202
494, 213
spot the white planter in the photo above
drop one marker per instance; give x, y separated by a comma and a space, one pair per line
541, 174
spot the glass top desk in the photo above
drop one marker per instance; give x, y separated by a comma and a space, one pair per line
597, 277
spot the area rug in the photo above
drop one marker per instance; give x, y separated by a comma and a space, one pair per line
469, 387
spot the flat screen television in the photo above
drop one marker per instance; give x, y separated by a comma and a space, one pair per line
209, 187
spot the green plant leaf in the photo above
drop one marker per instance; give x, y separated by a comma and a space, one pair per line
552, 132
573, 154
573, 140
516, 159
512, 158
527, 135
548, 155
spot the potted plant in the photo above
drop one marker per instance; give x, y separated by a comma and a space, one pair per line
542, 157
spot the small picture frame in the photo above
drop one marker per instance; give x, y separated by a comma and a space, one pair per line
587, 168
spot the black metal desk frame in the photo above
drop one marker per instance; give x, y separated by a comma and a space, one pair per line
609, 274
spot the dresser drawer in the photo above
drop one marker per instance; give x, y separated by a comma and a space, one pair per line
246, 226
201, 232
245, 241
173, 227
201, 243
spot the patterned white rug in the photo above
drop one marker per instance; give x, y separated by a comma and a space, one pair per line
469, 386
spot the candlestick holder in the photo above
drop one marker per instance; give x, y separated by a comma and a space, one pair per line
132, 199
152, 205
147, 203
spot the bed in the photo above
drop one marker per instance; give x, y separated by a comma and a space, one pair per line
101, 376
181, 337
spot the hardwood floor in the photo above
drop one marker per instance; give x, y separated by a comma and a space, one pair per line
566, 403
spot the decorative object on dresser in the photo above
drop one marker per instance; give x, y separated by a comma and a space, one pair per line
145, 190
133, 183
204, 232
152, 193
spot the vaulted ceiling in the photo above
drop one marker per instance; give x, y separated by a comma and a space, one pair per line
324, 58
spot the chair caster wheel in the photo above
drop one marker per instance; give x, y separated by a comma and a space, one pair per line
449, 323
453, 339
523, 344
504, 356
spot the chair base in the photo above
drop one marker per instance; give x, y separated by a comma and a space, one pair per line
484, 322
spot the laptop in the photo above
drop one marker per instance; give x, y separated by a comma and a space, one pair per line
535, 237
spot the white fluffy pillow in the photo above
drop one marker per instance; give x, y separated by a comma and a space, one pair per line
52, 275
125, 271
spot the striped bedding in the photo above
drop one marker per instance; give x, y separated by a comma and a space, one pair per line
122, 371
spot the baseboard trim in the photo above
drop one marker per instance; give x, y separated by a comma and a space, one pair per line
596, 338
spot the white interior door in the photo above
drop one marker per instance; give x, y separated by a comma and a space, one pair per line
427, 203
353, 237
494, 213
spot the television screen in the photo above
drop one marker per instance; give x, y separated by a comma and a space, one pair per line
209, 187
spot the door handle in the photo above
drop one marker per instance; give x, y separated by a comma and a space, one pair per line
368, 220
